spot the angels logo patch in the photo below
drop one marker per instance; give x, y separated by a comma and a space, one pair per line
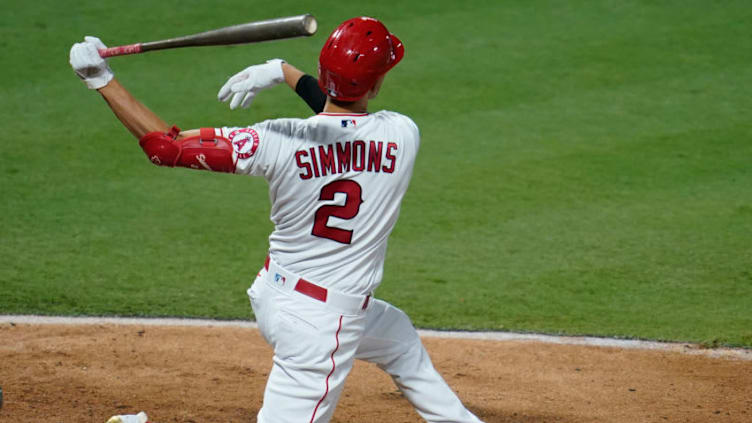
245, 142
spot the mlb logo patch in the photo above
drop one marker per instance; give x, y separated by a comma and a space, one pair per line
348, 122
279, 279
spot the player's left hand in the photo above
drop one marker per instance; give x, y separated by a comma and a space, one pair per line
243, 86
89, 66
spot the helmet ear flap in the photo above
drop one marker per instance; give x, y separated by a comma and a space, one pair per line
398, 50
355, 56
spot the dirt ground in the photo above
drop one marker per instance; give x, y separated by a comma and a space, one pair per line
86, 373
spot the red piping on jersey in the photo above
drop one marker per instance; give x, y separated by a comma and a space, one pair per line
343, 114
334, 366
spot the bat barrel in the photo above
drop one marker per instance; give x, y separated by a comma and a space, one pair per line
271, 29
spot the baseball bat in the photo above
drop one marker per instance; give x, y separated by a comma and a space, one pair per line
251, 32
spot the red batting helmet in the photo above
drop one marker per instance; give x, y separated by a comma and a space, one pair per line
357, 53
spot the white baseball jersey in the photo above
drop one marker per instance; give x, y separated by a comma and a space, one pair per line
336, 182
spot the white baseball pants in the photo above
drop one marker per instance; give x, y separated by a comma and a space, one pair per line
315, 344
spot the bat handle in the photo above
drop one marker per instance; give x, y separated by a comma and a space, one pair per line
120, 50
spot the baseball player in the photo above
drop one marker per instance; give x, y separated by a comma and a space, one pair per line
336, 181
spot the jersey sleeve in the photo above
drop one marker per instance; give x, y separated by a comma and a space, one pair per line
255, 148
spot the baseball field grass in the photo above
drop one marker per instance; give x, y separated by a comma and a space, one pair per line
585, 167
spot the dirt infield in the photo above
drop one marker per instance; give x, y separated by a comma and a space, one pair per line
86, 373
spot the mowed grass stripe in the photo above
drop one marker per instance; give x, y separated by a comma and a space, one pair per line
584, 167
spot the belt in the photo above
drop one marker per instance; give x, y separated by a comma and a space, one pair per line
279, 277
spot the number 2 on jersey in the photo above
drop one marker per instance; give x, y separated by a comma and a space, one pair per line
350, 209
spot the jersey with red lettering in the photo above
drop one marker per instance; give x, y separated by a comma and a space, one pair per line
336, 182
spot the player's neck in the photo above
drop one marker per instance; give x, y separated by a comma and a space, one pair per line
359, 106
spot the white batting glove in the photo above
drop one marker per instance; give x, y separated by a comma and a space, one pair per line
244, 85
129, 418
89, 66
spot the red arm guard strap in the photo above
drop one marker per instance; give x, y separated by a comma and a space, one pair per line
204, 151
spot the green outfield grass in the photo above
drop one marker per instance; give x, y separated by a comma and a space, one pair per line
585, 167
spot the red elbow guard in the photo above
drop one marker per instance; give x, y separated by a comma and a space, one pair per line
204, 151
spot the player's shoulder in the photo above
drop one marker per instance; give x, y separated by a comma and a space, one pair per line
282, 124
395, 116
400, 120
281, 128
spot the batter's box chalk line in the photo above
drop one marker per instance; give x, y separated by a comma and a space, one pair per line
684, 348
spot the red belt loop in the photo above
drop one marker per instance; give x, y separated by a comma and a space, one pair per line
365, 304
266, 264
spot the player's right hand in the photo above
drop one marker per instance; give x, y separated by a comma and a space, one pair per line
244, 85
88, 65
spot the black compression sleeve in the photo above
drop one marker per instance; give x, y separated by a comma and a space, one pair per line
308, 89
